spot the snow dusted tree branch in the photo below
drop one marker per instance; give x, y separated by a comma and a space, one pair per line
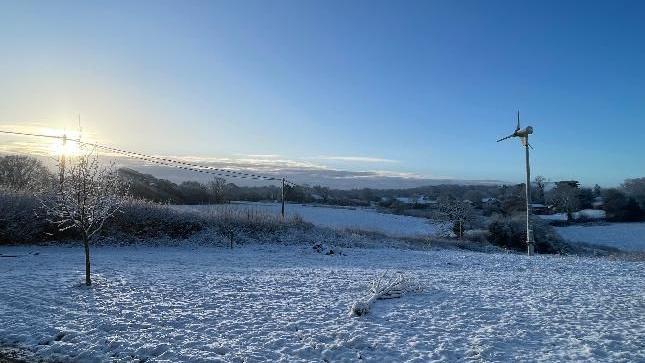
385, 288
87, 197
457, 212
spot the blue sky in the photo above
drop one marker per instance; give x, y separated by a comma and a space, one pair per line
397, 87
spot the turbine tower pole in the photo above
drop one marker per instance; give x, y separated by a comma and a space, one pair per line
523, 134
529, 231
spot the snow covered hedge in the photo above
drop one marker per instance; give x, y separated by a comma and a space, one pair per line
510, 232
143, 219
19, 220
23, 222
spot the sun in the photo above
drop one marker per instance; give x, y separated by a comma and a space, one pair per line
70, 148
58, 147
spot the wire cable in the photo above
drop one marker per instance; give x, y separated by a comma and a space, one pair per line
30, 134
161, 160
188, 168
167, 160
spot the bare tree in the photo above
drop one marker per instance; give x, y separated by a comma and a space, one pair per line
88, 196
217, 188
635, 188
324, 192
565, 197
540, 184
457, 212
19, 173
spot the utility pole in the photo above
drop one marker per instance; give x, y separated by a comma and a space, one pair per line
61, 167
282, 197
523, 134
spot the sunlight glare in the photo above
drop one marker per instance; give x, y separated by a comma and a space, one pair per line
70, 148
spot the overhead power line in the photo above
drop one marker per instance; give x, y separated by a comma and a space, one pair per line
30, 134
162, 160
174, 161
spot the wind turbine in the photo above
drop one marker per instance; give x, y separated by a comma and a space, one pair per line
523, 134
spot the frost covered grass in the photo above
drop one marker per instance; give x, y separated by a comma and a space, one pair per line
277, 303
624, 236
358, 218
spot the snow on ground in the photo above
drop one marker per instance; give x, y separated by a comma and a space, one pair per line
625, 236
589, 214
561, 217
282, 304
367, 219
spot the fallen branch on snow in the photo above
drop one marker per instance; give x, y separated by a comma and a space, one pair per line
382, 288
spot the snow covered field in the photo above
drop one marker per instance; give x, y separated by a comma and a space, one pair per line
587, 214
340, 218
276, 303
625, 236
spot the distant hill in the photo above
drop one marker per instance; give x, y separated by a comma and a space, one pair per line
149, 187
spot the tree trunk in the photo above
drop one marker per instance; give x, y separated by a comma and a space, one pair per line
86, 243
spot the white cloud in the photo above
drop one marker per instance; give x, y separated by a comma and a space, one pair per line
295, 170
300, 170
362, 159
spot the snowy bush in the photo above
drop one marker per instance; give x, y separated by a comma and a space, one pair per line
23, 220
477, 235
144, 219
510, 232
250, 221
19, 222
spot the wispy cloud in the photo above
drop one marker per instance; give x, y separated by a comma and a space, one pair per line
274, 164
361, 159
304, 170
262, 156
297, 171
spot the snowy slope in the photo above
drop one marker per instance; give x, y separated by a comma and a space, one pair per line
625, 236
288, 304
335, 217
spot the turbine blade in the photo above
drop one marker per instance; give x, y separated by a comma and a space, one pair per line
518, 121
507, 137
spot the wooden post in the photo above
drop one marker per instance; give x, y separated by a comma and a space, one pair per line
282, 197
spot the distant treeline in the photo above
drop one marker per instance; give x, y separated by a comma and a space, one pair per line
218, 190
488, 213
626, 203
